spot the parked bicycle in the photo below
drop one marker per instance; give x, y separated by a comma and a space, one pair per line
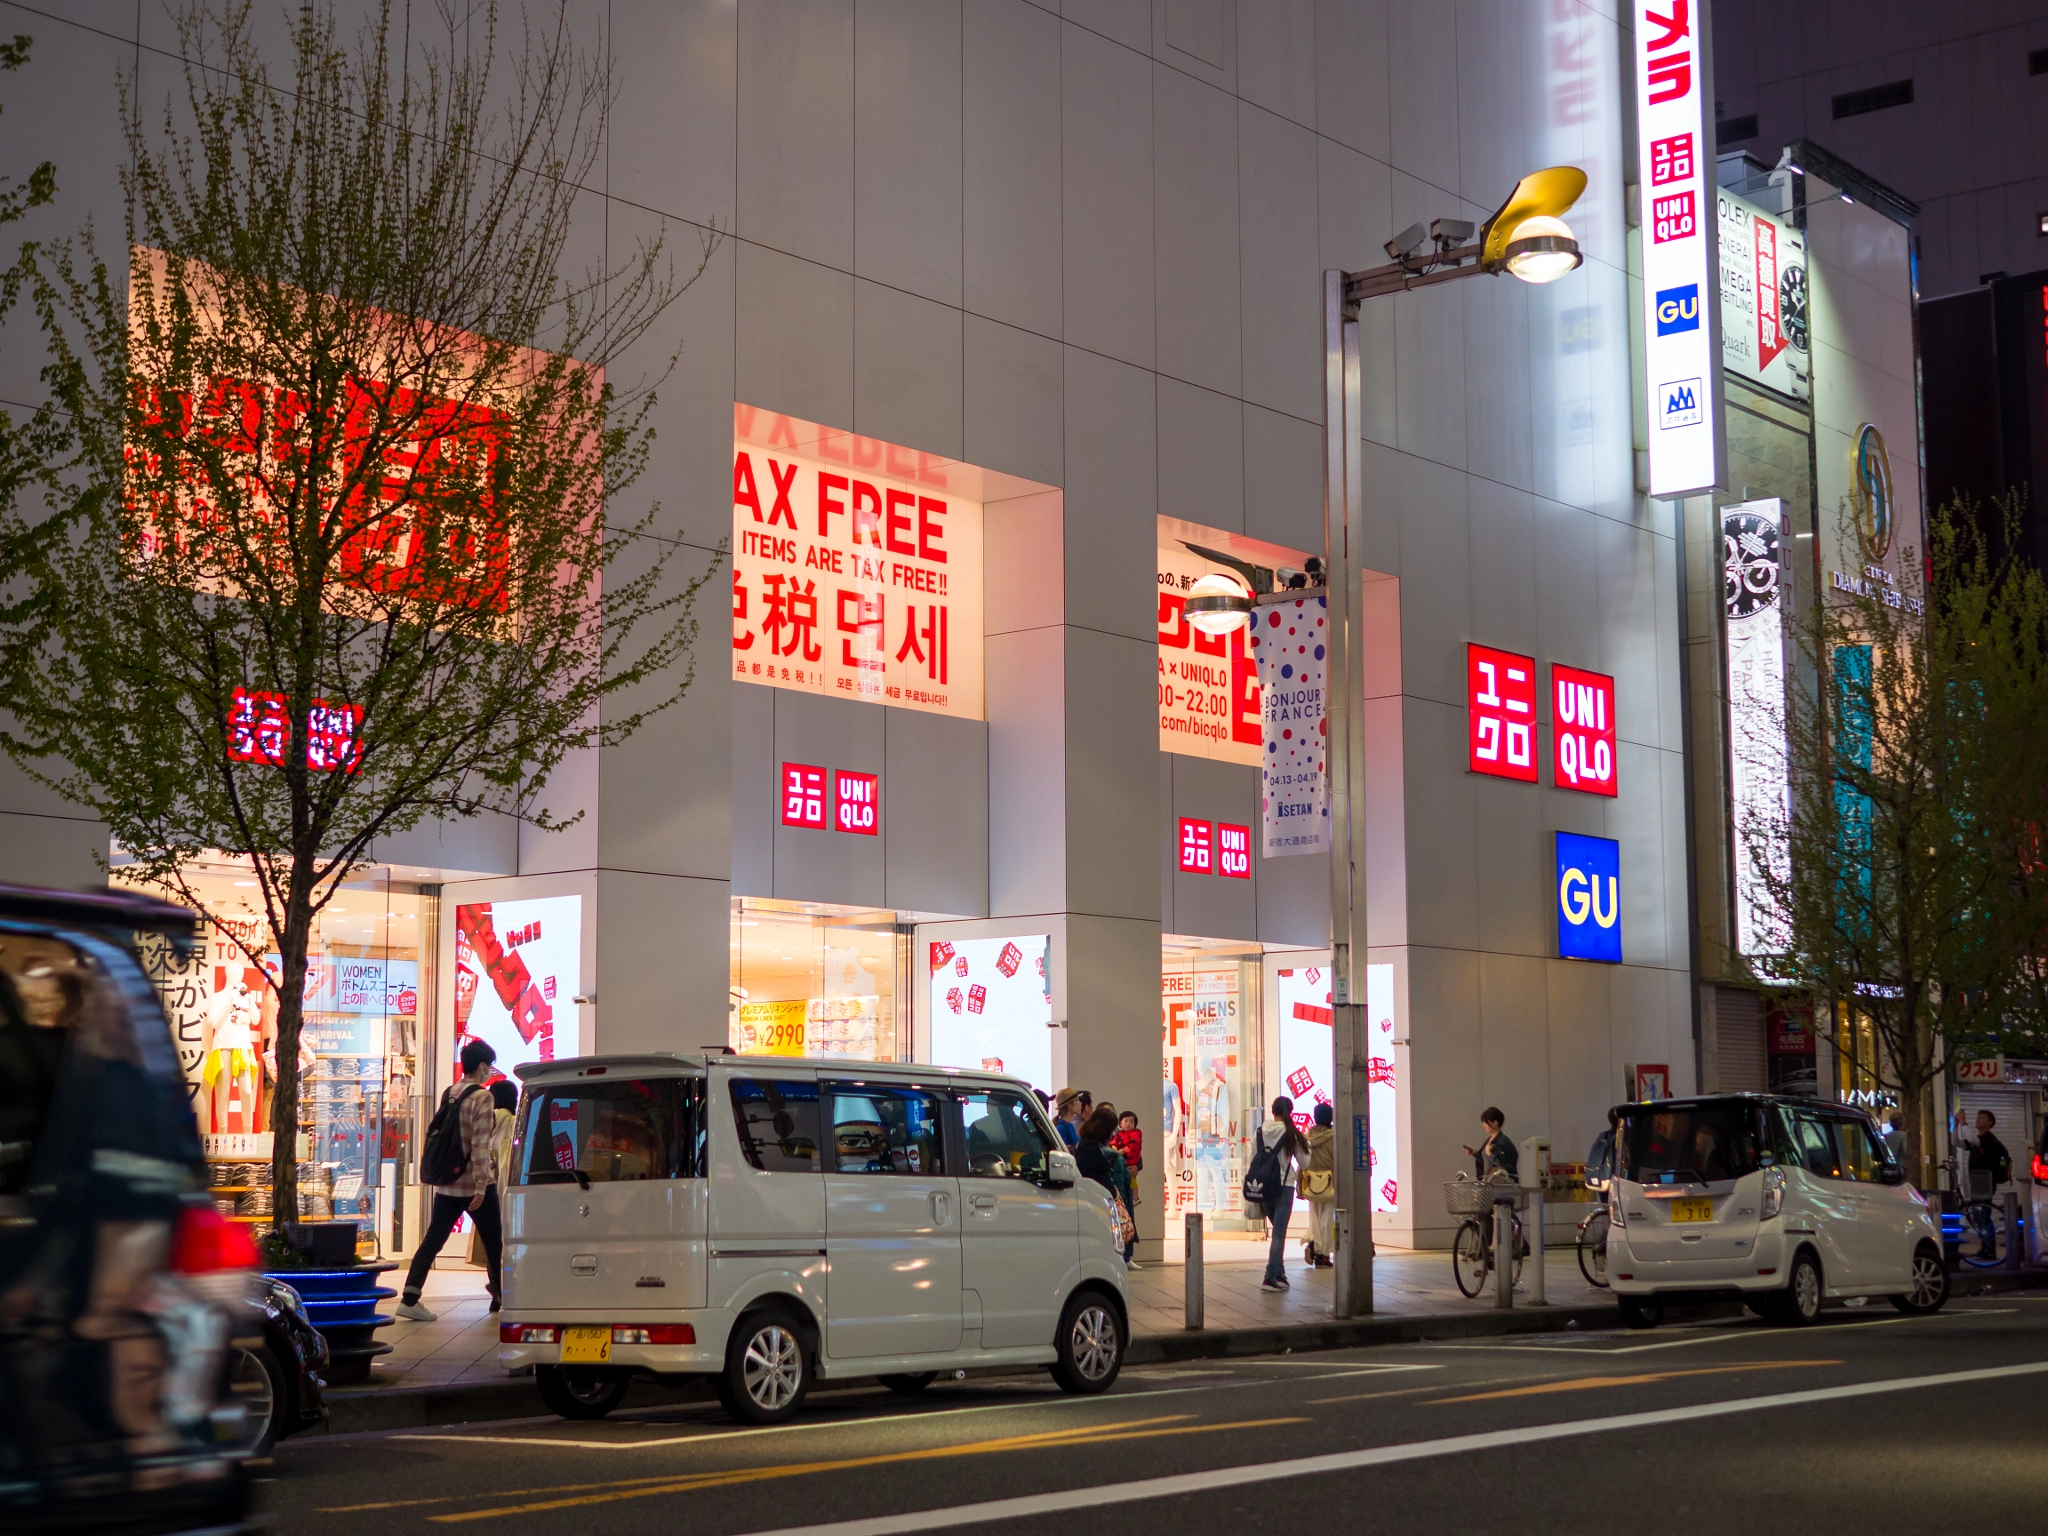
1593, 1239
1977, 1190
1472, 1248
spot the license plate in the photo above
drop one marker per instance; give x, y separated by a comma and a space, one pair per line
586, 1346
1681, 1210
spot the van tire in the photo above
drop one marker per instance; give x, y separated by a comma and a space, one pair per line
1930, 1284
578, 1394
1641, 1311
1089, 1347
1799, 1304
911, 1384
767, 1371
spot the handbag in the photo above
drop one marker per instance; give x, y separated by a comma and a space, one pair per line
1319, 1183
1126, 1229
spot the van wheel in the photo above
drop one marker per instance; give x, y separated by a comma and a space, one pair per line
1089, 1345
1641, 1311
910, 1385
767, 1369
1929, 1286
579, 1394
1799, 1304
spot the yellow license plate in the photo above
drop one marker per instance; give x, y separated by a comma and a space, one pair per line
1681, 1210
586, 1346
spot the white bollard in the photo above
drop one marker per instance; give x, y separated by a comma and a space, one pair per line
1504, 1254
1193, 1299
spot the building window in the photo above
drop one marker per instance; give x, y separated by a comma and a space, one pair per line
1873, 98
2037, 62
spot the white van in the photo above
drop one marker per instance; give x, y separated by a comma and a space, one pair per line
768, 1221
1786, 1203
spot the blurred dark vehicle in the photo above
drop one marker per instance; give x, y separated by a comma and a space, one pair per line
275, 1369
121, 1287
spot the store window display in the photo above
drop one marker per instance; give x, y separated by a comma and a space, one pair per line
811, 980
1210, 1076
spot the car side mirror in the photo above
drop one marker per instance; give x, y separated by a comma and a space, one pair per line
1061, 1171
1892, 1173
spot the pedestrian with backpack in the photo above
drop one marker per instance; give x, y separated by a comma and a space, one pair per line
1278, 1151
458, 1163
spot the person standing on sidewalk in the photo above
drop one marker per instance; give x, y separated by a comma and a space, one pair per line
476, 1191
1279, 1137
1070, 1109
1319, 1187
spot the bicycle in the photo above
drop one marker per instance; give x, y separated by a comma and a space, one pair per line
1472, 1248
1979, 1213
1592, 1237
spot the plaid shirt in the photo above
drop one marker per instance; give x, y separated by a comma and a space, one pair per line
479, 1131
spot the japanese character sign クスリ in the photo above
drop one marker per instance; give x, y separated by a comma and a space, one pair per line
1500, 701
856, 568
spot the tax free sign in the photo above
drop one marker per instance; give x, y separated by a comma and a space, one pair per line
1674, 173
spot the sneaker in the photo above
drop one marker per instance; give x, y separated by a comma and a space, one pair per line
1273, 1285
413, 1311
497, 1302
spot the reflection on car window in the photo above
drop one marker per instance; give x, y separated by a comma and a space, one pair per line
886, 1130
1713, 1142
1816, 1146
611, 1132
778, 1124
1003, 1140
1859, 1159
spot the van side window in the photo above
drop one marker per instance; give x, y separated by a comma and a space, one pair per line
1816, 1146
611, 1132
1004, 1141
877, 1129
778, 1124
1860, 1160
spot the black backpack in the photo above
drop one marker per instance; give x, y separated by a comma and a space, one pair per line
1263, 1180
443, 1157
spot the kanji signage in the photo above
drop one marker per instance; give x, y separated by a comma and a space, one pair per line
1197, 856
803, 795
1582, 732
1500, 704
857, 803
1588, 898
1763, 296
1208, 684
260, 731
856, 568
1673, 163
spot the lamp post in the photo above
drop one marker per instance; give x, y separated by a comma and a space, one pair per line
1526, 238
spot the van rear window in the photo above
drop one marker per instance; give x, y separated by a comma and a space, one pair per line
1710, 1142
778, 1124
611, 1132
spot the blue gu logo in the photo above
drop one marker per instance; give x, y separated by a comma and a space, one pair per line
1678, 309
1588, 898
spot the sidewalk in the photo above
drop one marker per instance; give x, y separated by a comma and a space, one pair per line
447, 1371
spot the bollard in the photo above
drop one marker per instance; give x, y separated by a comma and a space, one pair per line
1536, 1297
2015, 1239
1193, 1301
1341, 1235
1504, 1254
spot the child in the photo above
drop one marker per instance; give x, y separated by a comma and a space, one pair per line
1129, 1140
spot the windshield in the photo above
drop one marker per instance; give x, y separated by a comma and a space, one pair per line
1704, 1143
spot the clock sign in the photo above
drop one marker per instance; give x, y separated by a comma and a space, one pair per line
1750, 551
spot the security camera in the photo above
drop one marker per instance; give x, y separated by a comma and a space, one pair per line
1450, 231
1408, 242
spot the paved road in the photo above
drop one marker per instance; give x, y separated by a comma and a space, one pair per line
1716, 1426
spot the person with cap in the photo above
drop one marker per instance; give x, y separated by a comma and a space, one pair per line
1071, 1108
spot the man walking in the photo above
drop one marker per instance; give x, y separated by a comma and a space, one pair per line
475, 1190
1990, 1166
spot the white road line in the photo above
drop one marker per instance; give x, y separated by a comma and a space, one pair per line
1038, 1505
1725, 1337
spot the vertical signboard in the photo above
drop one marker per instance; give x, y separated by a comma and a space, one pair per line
1500, 713
1288, 645
1673, 162
1582, 732
517, 965
1588, 898
1759, 776
1763, 297
1308, 1071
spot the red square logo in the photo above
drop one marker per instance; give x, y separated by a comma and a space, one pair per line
1671, 159
1196, 855
803, 796
857, 802
1233, 851
1500, 711
1671, 218
1582, 732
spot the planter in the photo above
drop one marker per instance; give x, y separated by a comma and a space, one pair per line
342, 1304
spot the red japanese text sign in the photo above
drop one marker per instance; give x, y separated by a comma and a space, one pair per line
260, 731
803, 795
856, 568
857, 802
1500, 704
1582, 732
1197, 856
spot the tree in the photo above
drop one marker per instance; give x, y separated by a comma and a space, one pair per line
326, 541
1902, 876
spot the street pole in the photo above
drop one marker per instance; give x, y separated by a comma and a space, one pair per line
1344, 707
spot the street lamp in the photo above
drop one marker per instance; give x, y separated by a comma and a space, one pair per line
1525, 238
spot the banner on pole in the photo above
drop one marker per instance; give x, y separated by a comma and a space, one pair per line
1289, 643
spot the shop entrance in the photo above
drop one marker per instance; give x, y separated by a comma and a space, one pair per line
1210, 1077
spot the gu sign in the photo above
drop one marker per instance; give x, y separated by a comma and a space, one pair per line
1671, 61
1588, 898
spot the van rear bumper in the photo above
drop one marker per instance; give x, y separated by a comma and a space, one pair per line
707, 1354
1629, 1276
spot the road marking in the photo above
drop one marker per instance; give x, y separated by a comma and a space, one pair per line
1735, 1329
1435, 1386
1052, 1440
1589, 1383
1068, 1500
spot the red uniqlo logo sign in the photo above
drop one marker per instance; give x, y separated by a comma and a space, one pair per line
1233, 851
803, 796
1500, 702
1195, 855
1671, 159
856, 802
1582, 732
1671, 218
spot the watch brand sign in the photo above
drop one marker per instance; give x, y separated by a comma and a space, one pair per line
1500, 713
1763, 297
1677, 199
856, 568
1588, 898
1760, 783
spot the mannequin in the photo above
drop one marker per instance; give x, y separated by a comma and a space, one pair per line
229, 1075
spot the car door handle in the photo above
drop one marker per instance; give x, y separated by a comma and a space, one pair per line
981, 1202
942, 1208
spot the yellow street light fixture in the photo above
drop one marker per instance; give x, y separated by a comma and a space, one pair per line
1526, 238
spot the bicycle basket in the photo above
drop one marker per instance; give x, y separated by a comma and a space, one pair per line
1468, 1197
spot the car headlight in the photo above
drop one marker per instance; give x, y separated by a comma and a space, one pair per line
1774, 1192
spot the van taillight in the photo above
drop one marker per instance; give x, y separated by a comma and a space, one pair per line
2040, 1169
655, 1333
526, 1333
207, 1243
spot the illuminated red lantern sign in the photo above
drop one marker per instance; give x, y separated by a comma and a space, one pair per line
803, 796
1196, 857
1500, 704
1233, 851
1583, 755
857, 802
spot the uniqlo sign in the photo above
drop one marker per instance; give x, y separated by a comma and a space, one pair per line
803, 796
857, 803
1500, 705
856, 568
1233, 851
1197, 856
1582, 731
1671, 77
